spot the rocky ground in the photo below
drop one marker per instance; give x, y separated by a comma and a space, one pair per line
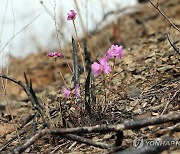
146, 81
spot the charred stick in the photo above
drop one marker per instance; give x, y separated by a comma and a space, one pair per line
131, 124
172, 44
87, 93
31, 141
75, 63
87, 141
31, 94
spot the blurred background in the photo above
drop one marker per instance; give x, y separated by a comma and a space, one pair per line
28, 26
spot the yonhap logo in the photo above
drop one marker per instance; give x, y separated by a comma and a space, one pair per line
138, 143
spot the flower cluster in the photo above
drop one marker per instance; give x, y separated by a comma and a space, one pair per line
54, 54
71, 15
115, 51
102, 65
76, 91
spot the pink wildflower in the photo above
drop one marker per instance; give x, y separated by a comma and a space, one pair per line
104, 64
115, 51
66, 93
71, 15
51, 54
58, 54
54, 54
77, 91
96, 68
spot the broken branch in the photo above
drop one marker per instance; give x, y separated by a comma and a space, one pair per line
157, 7
132, 124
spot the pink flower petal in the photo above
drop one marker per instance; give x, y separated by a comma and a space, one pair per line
66, 93
96, 68
54, 54
71, 15
104, 64
115, 51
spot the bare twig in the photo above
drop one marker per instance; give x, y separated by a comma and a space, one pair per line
170, 130
31, 94
172, 44
2, 26
46, 131
27, 120
67, 133
167, 104
19, 32
32, 140
157, 7
174, 128
3, 147
87, 141
132, 124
